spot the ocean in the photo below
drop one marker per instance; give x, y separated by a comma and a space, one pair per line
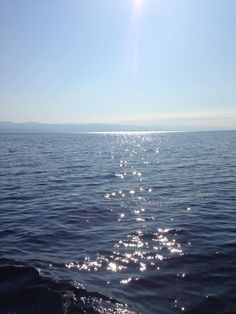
118, 223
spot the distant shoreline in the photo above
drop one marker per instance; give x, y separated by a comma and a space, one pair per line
95, 128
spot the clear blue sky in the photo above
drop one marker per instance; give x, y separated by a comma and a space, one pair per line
117, 60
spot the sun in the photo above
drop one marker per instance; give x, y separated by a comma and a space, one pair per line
138, 5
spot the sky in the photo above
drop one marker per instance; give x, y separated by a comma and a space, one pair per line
118, 61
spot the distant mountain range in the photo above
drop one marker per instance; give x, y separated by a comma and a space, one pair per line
34, 127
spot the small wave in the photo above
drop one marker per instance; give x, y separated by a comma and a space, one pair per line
24, 290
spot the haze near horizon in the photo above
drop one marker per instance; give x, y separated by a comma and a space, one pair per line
138, 62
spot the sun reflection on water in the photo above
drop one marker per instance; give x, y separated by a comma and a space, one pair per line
145, 242
141, 251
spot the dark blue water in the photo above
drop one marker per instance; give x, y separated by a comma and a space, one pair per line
114, 223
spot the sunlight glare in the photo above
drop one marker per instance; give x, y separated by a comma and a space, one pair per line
138, 6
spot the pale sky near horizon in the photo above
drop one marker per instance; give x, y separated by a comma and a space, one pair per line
69, 61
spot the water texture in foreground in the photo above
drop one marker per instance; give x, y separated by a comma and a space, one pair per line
106, 223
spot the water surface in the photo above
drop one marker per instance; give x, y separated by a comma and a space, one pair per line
118, 223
